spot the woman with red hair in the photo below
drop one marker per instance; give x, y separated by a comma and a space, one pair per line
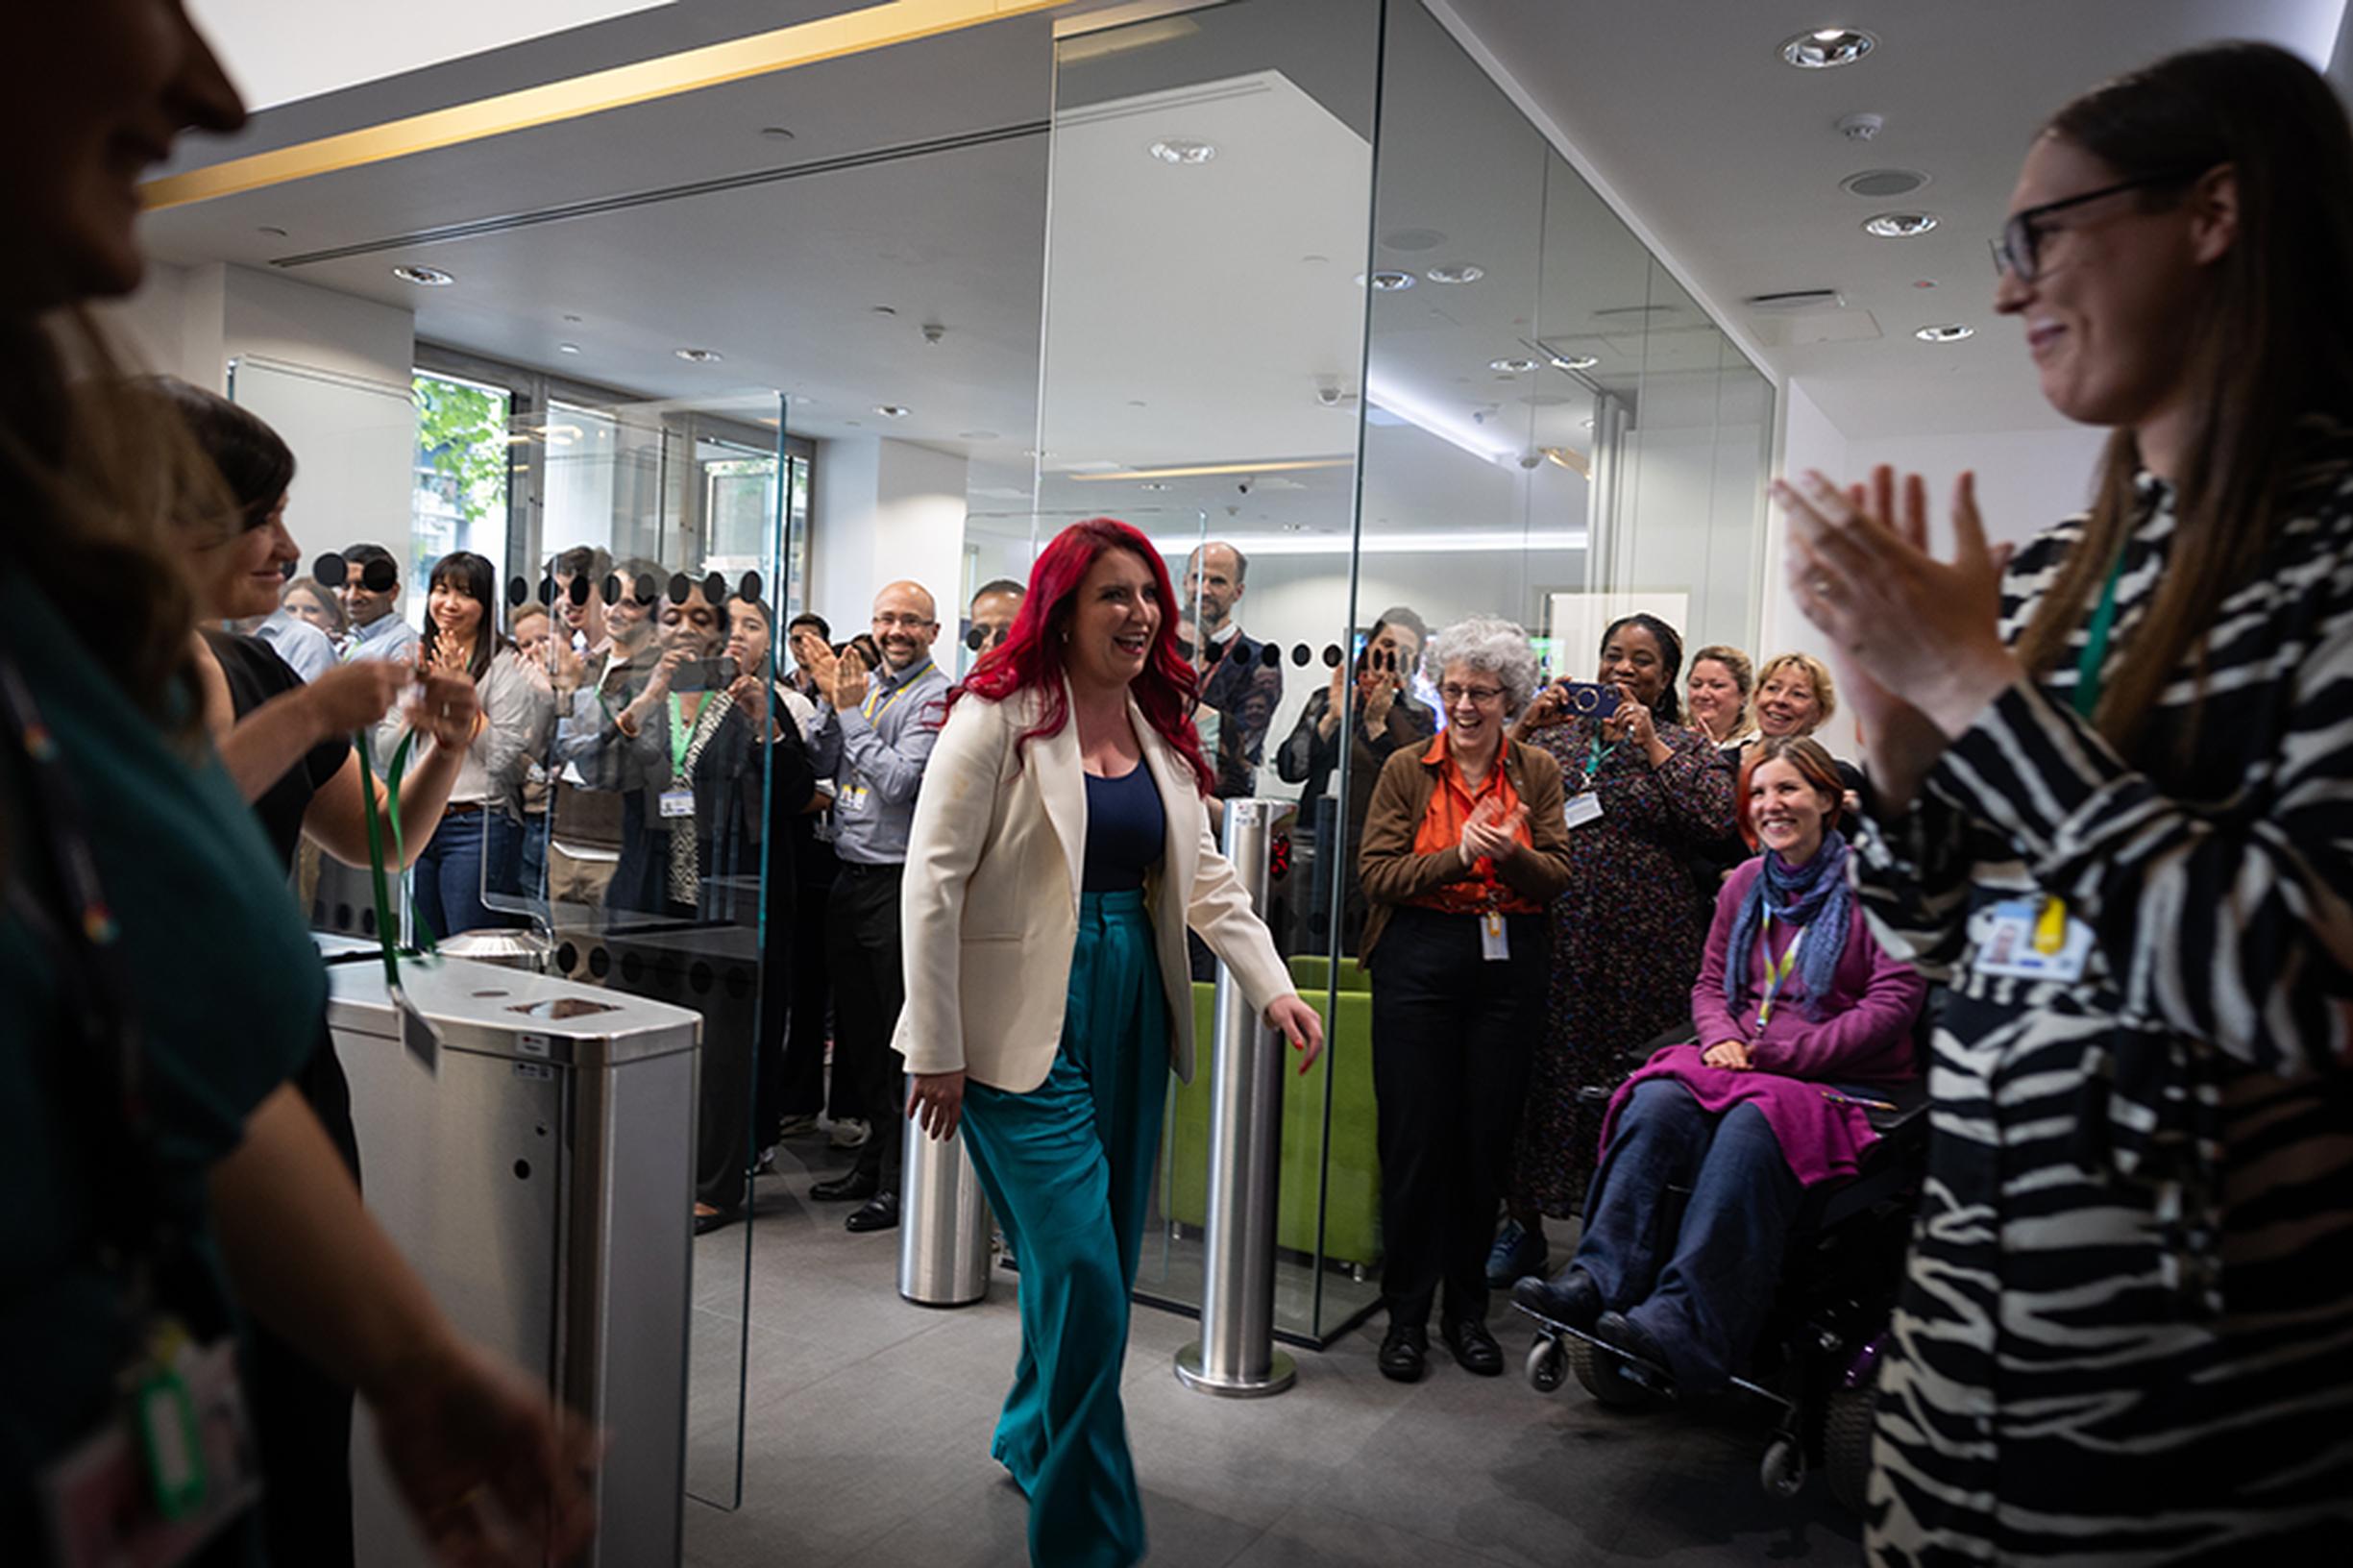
1059, 852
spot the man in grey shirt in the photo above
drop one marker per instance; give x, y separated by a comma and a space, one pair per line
873, 733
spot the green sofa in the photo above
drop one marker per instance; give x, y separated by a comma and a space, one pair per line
1352, 1202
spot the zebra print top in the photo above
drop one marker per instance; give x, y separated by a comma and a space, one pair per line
2219, 890
2131, 1284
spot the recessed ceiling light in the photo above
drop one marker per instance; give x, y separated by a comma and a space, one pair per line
1584, 424
1182, 150
424, 277
1465, 272
775, 132
1575, 361
891, 410
567, 348
1828, 47
1388, 281
1948, 332
575, 320
1900, 225
700, 356
272, 229
1513, 367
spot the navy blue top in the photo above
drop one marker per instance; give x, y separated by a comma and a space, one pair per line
1125, 829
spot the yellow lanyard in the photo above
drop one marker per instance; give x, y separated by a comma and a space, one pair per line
872, 712
1777, 970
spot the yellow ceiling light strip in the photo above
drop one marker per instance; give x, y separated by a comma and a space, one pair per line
804, 44
1204, 470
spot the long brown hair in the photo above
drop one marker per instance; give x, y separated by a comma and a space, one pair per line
92, 483
2270, 350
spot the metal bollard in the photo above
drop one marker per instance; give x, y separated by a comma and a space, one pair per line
1237, 1356
943, 1224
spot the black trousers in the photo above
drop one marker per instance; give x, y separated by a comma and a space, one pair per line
802, 1089
868, 989
301, 1416
1452, 1036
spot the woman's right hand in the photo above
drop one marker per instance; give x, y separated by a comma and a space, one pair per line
1547, 708
936, 1102
356, 696
1728, 1053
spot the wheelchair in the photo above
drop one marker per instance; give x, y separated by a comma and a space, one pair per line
1816, 1360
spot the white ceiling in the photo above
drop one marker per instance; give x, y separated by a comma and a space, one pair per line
1733, 160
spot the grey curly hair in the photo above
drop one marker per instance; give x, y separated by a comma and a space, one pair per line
1491, 646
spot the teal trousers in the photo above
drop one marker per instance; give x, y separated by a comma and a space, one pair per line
1067, 1169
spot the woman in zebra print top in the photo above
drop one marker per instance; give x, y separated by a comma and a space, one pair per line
2116, 819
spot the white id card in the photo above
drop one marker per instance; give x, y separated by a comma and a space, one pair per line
1494, 938
677, 802
851, 798
1582, 809
2007, 947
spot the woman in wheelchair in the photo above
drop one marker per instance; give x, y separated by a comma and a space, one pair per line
1795, 1003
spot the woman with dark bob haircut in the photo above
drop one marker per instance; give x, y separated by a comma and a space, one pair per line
2114, 781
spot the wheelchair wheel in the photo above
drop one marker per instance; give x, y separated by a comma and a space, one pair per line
1783, 1470
1600, 1379
1548, 1365
1846, 1443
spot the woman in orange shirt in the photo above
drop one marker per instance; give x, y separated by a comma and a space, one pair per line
1465, 843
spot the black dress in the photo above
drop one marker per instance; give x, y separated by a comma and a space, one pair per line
301, 1417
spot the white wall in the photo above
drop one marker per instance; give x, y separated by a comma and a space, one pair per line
883, 511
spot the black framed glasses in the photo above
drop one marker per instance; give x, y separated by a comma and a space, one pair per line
2018, 252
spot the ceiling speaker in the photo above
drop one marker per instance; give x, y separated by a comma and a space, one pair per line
1877, 185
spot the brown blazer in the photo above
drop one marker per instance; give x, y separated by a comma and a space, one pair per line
1393, 874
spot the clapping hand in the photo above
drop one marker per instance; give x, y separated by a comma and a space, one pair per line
1492, 833
848, 684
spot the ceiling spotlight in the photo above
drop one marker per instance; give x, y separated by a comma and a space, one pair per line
891, 410
1900, 225
1513, 367
567, 348
1826, 47
1575, 361
700, 356
1462, 272
1388, 281
1182, 150
1950, 332
424, 277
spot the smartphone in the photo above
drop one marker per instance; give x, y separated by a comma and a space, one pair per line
1594, 702
705, 675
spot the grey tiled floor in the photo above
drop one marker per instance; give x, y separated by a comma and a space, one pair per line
867, 1428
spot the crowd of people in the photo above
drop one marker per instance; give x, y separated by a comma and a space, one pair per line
1623, 934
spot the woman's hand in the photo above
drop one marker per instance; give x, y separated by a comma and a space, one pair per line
1728, 1053
1633, 720
1912, 631
744, 693
1547, 708
492, 1471
936, 1102
1299, 1024
1491, 834
356, 696
448, 710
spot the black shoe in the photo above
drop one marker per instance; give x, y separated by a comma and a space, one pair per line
880, 1214
1405, 1352
1475, 1349
716, 1220
1572, 1299
1619, 1333
852, 1184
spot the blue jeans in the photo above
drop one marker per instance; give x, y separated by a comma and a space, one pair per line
518, 857
1702, 1290
447, 880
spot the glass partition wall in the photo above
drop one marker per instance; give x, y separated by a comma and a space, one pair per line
635, 554
1331, 322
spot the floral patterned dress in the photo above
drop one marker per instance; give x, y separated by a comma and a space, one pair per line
1626, 940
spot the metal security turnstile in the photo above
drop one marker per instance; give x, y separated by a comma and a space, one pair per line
541, 1179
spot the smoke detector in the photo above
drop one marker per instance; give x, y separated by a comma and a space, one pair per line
1862, 126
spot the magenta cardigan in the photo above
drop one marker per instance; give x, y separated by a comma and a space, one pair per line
1863, 1037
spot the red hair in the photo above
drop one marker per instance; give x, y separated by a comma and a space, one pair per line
1030, 658
1814, 763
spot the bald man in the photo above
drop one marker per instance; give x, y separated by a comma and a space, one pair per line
873, 733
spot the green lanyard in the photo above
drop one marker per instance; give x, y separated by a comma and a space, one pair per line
1595, 754
682, 734
2091, 664
1775, 970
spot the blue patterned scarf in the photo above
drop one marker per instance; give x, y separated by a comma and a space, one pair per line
1814, 896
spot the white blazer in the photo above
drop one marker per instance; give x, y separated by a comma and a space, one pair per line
991, 900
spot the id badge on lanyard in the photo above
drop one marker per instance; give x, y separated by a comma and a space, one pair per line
1494, 937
